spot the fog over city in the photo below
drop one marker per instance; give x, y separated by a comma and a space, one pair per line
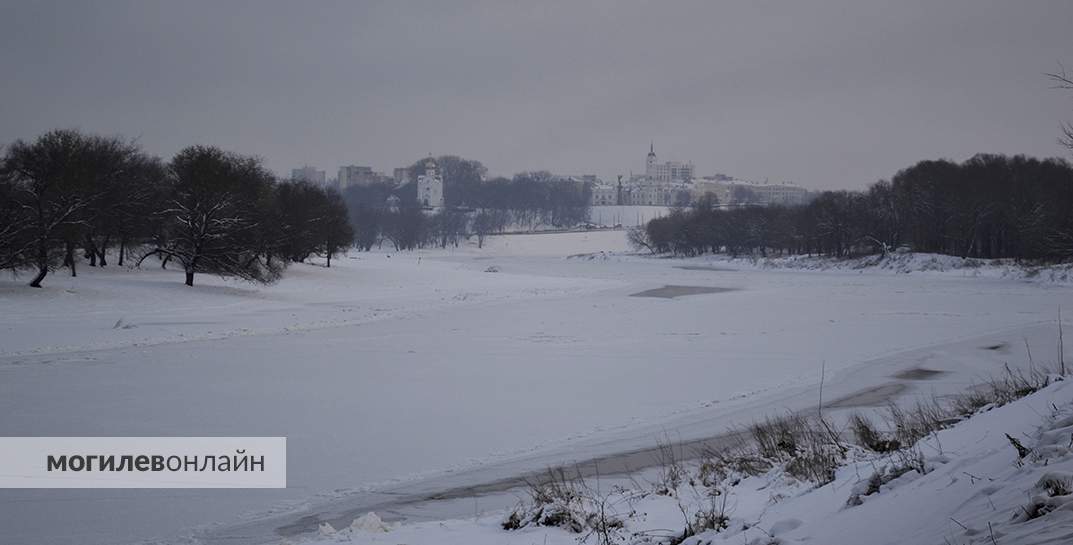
830, 94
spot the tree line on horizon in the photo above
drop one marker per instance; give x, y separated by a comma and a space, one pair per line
69, 197
989, 206
474, 206
207, 210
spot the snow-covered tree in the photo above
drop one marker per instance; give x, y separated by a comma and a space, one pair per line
214, 213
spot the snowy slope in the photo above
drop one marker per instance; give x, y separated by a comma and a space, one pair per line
975, 489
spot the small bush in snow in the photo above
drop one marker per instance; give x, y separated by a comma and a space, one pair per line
712, 514
778, 438
869, 437
914, 423
718, 465
902, 462
807, 446
1056, 483
1055, 491
817, 464
1000, 390
671, 472
1014, 385
566, 502
968, 403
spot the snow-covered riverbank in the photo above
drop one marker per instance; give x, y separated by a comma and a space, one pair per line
970, 483
898, 263
424, 368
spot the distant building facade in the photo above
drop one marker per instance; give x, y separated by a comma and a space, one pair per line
352, 175
732, 192
668, 172
604, 195
674, 184
785, 194
309, 174
430, 187
663, 184
656, 194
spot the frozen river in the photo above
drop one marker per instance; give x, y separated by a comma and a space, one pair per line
384, 369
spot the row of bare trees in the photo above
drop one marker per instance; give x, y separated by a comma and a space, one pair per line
208, 210
381, 212
990, 206
406, 226
533, 198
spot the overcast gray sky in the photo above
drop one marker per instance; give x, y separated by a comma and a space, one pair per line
832, 94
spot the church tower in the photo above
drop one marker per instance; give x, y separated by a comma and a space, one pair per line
430, 188
650, 163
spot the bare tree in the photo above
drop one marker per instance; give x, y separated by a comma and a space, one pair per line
638, 239
128, 193
488, 221
1063, 81
15, 236
54, 182
215, 208
336, 234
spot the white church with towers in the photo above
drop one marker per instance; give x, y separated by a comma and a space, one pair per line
430, 188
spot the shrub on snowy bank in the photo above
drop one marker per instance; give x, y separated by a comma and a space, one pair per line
790, 456
909, 262
902, 263
800, 449
568, 503
962, 484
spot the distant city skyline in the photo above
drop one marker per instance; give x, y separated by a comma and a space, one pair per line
832, 94
671, 169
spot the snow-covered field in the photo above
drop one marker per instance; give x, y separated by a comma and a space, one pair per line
627, 216
422, 370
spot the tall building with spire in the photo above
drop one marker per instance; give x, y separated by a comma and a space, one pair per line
671, 171
650, 162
